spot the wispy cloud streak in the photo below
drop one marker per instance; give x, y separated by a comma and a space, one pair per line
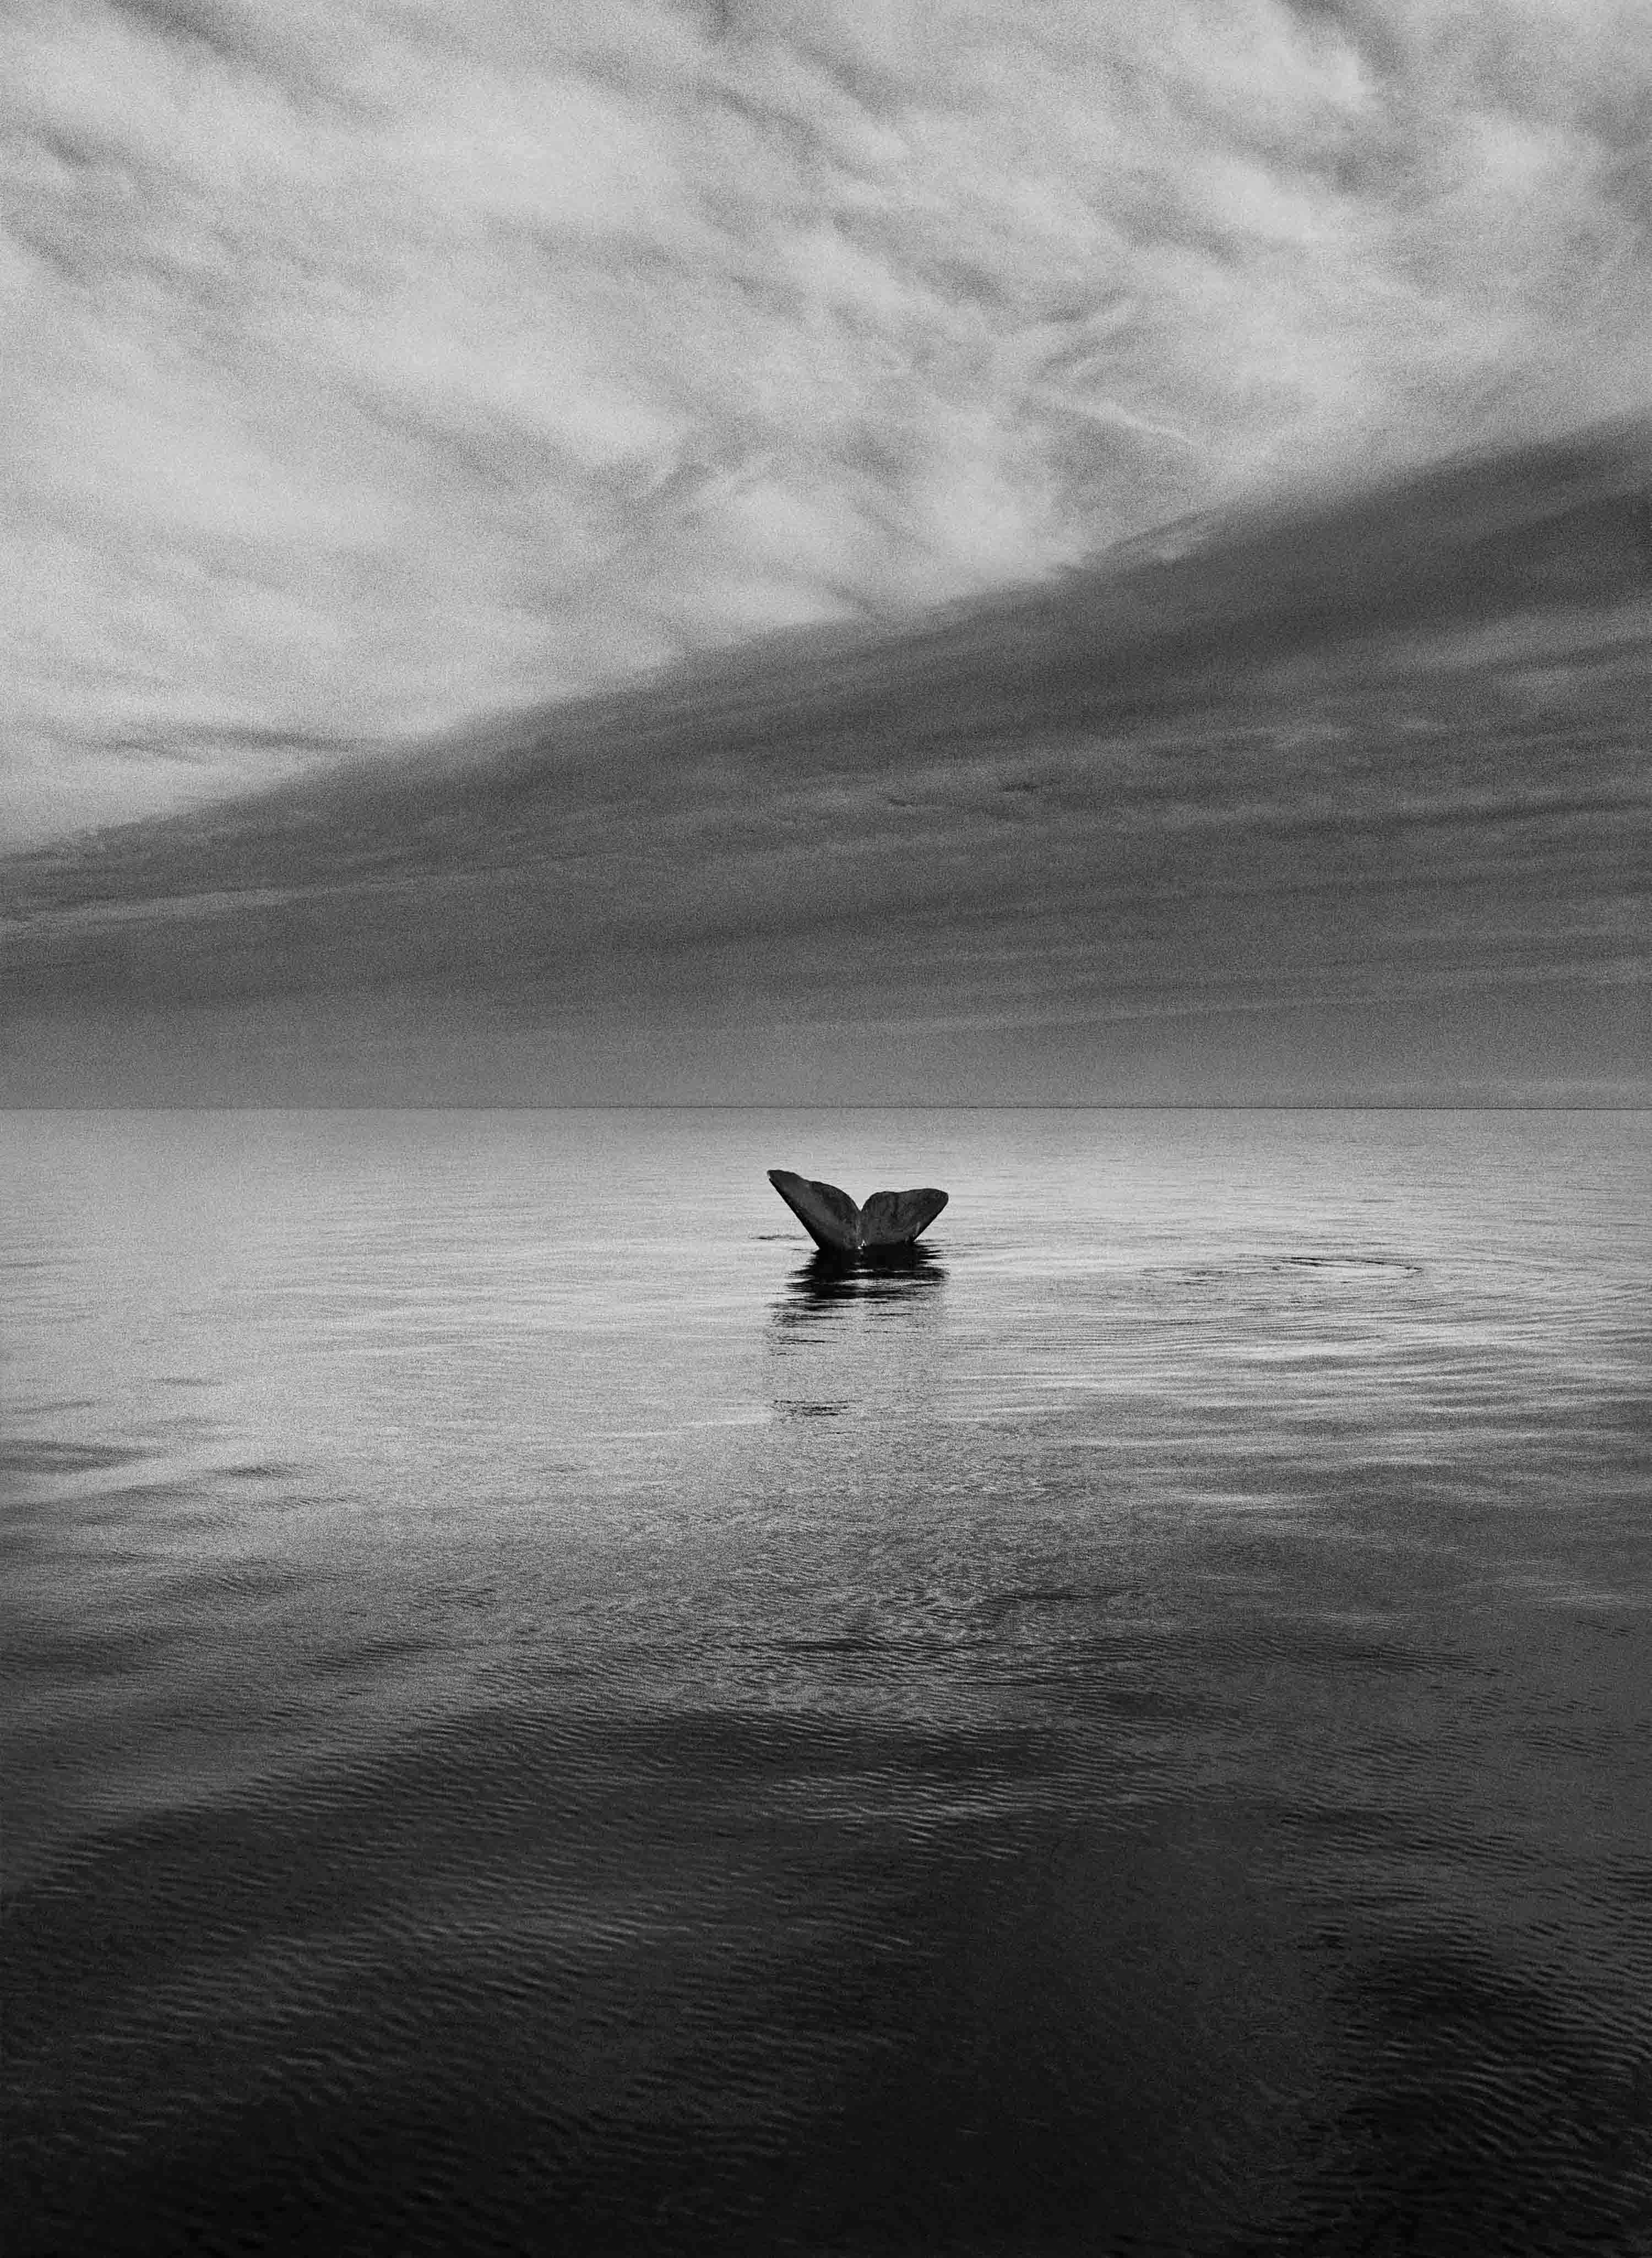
372, 366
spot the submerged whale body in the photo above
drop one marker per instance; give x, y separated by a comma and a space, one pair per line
834, 1222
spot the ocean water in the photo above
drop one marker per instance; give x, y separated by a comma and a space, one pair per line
538, 1719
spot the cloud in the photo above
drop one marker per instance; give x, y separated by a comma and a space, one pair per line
373, 367
1343, 802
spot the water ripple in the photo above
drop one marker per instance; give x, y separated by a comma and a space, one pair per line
1126, 1737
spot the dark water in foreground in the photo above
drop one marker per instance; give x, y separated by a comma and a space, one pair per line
535, 1722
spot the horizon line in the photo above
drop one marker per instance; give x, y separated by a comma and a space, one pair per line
868, 1105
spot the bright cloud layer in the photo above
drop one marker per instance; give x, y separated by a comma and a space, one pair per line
367, 368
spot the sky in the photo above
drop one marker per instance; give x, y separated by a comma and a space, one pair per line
371, 368
1341, 804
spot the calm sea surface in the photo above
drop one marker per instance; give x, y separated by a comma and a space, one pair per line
537, 1721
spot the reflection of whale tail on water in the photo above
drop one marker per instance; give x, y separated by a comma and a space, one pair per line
833, 1221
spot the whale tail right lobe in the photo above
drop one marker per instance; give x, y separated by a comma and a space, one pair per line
895, 1219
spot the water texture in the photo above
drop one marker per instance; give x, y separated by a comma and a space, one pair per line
539, 1719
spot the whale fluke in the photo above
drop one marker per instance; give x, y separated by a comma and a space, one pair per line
895, 1219
833, 1221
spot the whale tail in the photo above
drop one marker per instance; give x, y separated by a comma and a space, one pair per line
834, 1222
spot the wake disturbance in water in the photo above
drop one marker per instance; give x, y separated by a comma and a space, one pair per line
544, 1715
